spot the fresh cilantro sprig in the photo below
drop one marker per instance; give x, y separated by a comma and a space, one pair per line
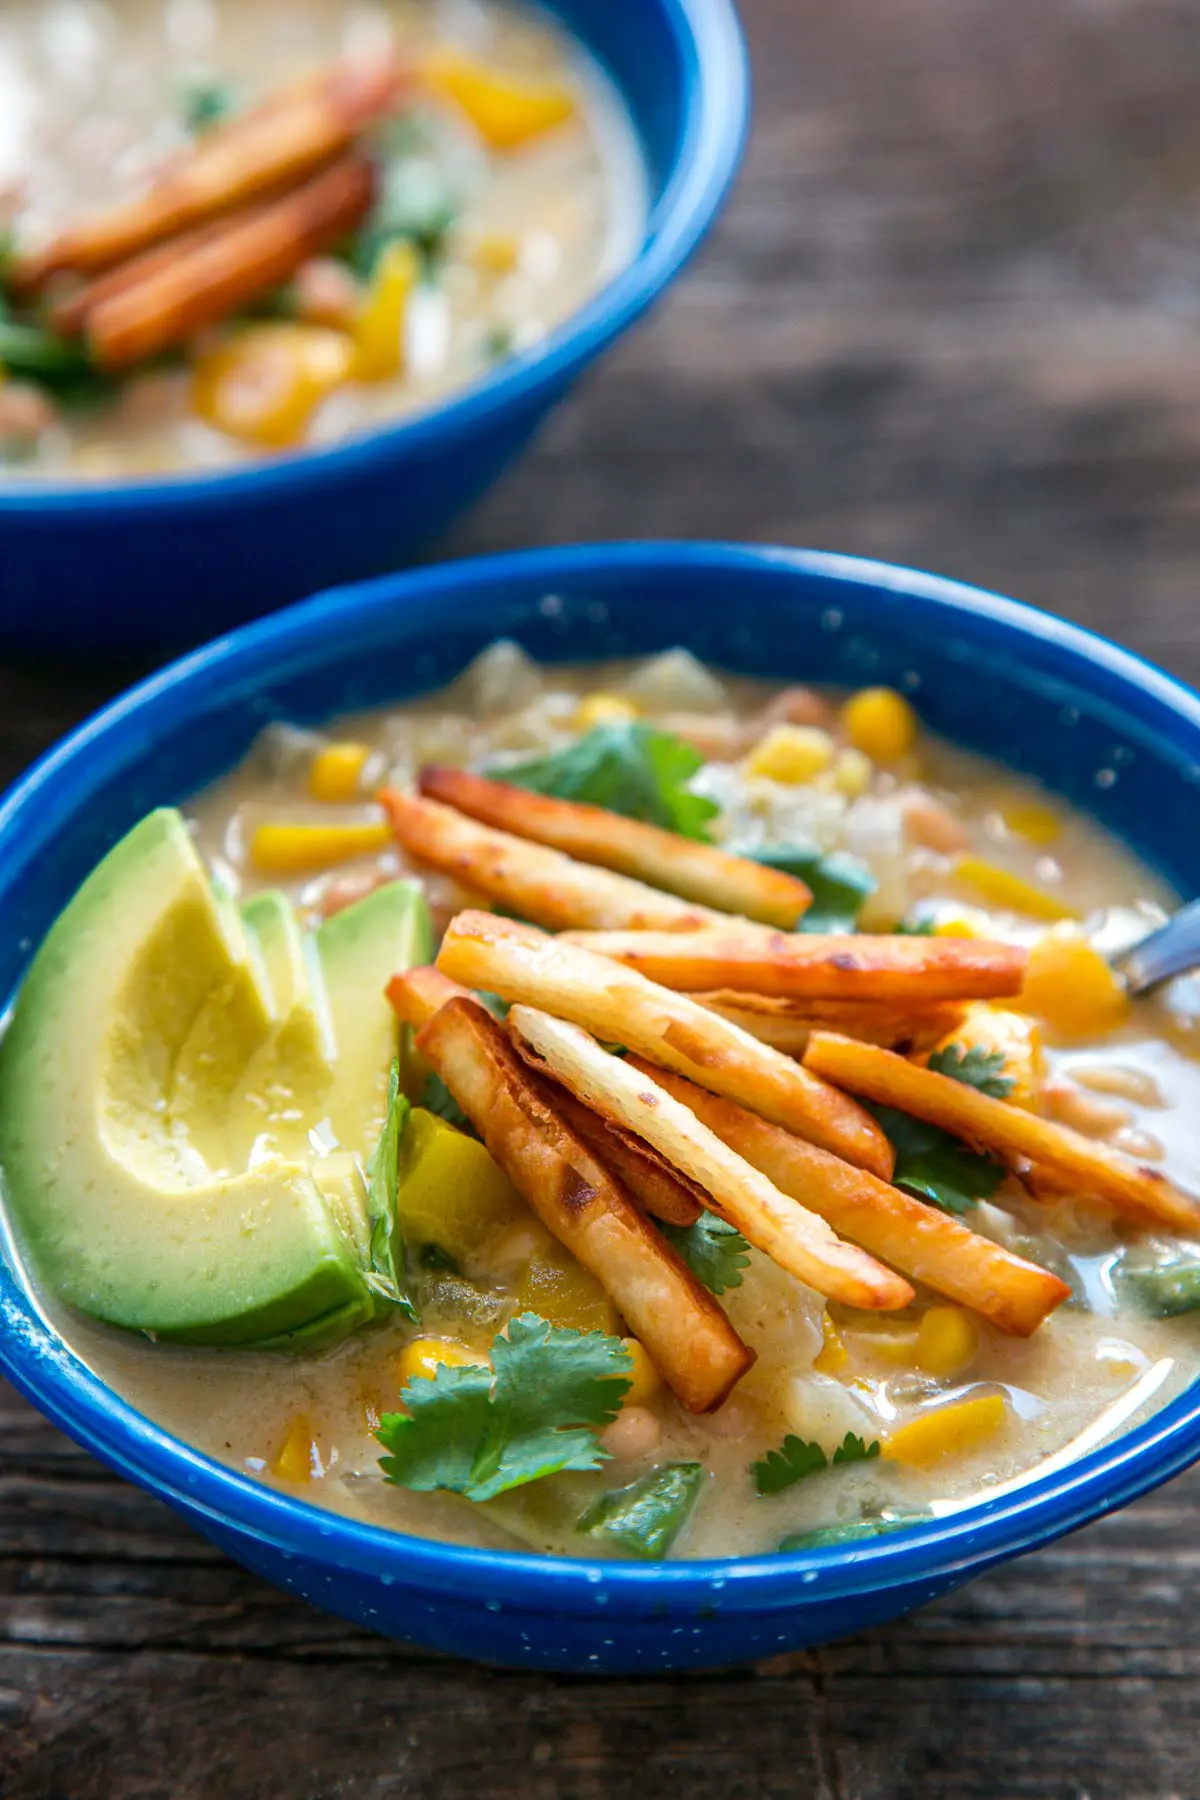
796, 1458
935, 1166
839, 883
206, 102
480, 1431
974, 1067
387, 1275
646, 1517
715, 1251
629, 768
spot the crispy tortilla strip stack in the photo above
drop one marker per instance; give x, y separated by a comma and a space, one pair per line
1009, 1132
624, 1008
700, 872
788, 1024
271, 148
815, 967
928, 1245
528, 879
691, 1342
796, 1239
211, 278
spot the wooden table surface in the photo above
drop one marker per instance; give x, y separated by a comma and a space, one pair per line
950, 318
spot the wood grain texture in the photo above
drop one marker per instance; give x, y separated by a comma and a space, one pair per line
949, 318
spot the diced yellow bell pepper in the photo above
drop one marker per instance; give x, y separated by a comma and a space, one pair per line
603, 709
1000, 887
379, 322
1070, 987
451, 1193
263, 383
645, 1380
335, 772
881, 723
1031, 819
561, 1290
424, 1356
791, 754
947, 1341
952, 1430
279, 849
505, 110
833, 1354
1015, 1037
299, 1457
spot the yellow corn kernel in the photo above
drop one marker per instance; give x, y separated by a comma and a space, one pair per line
263, 383
645, 1379
852, 772
335, 772
505, 110
970, 923
899, 1347
562, 1291
379, 322
792, 754
424, 1356
947, 1341
952, 1430
833, 1354
880, 723
1070, 987
299, 1457
496, 252
997, 1029
292, 849
1000, 887
603, 709
1030, 819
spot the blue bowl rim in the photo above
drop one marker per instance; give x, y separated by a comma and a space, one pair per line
709, 37
932, 1552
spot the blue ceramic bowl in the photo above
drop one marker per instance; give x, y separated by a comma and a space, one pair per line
145, 564
1107, 731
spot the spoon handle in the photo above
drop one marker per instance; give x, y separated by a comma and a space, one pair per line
1171, 950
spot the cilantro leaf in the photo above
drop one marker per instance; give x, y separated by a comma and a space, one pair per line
204, 103
629, 768
387, 1276
715, 1251
974, 1067
840, 883
480, 1431
437, 1098
935, 1166
914, 928
795, 1459
646, 1517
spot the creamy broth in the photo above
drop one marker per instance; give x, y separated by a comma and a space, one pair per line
91, 106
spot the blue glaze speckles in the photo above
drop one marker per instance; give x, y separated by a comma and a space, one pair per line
996, 676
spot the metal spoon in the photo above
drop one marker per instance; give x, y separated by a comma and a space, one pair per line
1171, 950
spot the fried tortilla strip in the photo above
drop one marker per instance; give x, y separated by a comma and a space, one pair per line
206, 282
658, 1188
928, 1245
418, 993
272, 147
700, 872
787, 1024
539, 884
69, 316
624, 1008
791, 1236
685, 1332
1009, 1132
847, 966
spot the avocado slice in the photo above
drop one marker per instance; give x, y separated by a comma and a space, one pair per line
128, 1061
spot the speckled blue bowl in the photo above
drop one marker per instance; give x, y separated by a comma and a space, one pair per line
1097, 725
152, 563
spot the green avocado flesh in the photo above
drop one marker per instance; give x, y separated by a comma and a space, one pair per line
189, 1094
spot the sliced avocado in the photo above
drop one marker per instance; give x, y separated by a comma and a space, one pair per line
140, 1017
281, 1090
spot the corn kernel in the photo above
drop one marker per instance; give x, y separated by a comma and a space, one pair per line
263, 383
792, 754
505, 111
947, 1341
1070, 987
496, 252
952, 1430
379, 322
898, 1346
1000, 887
852, 772
1030, 819
833, 1354
299, 1457
603, 709
291, 849
970, 923
335, 772
880, 723
423, 1357
644, 1379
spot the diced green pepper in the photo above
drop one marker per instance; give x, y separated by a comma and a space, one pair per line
1166, 1292
646, 1518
